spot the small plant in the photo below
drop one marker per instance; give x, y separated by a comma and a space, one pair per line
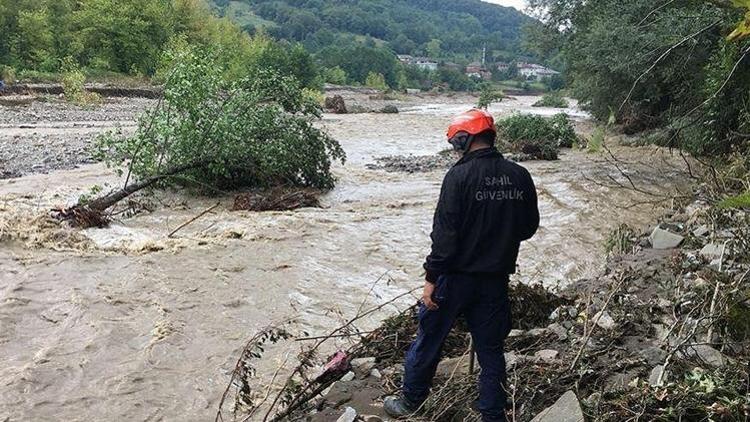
92, 193
552, 100
621, 240
488, 96
376, 81
7, 75
73, 82
739, 201
596, 141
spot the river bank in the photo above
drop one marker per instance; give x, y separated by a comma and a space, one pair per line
126, 322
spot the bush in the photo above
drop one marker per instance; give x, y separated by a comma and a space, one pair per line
532, 132
335, 75
552, 100
7, 75
488, 96
73, 82
225, 134
376, 81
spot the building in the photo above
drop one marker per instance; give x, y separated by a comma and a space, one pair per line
535, 71
477, 71
423, 63
502, 66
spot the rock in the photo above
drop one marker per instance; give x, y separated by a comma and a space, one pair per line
566, 409
516, 333
348, 377
372, 418
706, 354
559, 330
605, 320
546, 356
653, 379
446, 367
653, 355
336, 104
389, 109
711, 251
536, 332
350, 415
338, 394
663, 239
619, 382
376, 374
363, 366
701, 231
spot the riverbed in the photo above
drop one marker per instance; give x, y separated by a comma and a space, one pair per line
124, 323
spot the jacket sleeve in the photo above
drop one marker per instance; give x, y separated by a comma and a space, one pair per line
531, 212
445, 228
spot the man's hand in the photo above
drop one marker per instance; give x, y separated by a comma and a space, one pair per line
429, 289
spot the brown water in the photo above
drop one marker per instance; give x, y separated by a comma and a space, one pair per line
125, 324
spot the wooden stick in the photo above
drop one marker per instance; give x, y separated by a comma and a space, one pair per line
192, 220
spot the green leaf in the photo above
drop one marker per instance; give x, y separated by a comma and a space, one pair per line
739, 201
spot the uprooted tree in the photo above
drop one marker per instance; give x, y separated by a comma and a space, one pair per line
216, 134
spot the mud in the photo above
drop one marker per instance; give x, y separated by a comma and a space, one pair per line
126, 323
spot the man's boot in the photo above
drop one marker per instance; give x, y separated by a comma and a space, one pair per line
399, 407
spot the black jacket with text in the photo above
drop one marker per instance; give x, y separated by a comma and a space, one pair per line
487, 207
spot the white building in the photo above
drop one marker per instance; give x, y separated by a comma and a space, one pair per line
535, 71
420, 62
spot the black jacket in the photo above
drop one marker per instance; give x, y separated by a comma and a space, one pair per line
487, 207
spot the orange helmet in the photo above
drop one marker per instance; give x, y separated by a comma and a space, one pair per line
473, 122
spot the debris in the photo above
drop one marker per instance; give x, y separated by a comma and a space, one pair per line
389, 109
336, 104
663, 239
711, 251
350, 415
546, 355
363, 366
277, 199
566, 409
605, 320
657, 376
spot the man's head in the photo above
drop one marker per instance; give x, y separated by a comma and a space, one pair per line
472, 130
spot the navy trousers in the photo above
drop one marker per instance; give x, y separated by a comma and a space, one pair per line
484, 303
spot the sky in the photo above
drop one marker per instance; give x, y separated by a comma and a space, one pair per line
518, 4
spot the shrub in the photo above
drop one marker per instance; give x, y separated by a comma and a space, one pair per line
536, 135
552, 100
335, 75
73, 83
7, 74
376, 81
216, 133
489, 96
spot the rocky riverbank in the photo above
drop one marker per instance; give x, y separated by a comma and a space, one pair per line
661, 334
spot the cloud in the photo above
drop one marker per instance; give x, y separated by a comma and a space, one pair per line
518, 4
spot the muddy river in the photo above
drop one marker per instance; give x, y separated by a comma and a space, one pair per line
124, 323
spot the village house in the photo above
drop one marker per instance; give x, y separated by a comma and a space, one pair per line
423, 63
477, 71
535, 71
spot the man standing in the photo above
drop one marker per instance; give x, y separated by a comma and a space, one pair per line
487, 207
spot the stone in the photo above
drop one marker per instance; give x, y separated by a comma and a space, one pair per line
656, 373
604, 320
711, 251
516, 333
653, 355
701, 231
375, 373
663, 239
363, 366
350, 415
348, 377
372, 418
338, 394
566, 409
559, 330
619, 382
706, 354
446, 367
546, 356
536, 332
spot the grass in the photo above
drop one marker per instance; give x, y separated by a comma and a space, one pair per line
739, 201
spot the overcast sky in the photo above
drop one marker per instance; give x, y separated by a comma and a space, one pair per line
518, 4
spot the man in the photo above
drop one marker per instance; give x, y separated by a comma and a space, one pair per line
487, 207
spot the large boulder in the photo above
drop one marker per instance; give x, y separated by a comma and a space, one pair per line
566, 409
336, 104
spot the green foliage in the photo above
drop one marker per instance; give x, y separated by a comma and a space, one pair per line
227, 133
489, 95
536, 136
73, 81
7, 74
739, 201
669, 66
596, 141
359, 61
553, 100
437, 28
621, 240
335, 75
376, 81
557, 130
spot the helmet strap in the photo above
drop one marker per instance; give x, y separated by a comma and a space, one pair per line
462, 143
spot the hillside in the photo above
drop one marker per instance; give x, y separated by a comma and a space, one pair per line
447, 29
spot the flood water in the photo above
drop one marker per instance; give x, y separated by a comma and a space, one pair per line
124, 323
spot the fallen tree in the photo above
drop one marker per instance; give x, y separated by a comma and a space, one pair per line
215, 135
